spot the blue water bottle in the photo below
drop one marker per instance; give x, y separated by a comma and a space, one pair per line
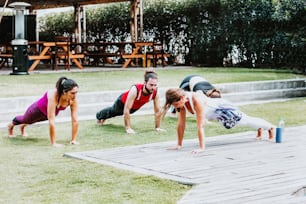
279, 130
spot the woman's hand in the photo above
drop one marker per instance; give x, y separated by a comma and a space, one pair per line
73, 142
57, 145
130, 131
178, 147
196, 151
160, 130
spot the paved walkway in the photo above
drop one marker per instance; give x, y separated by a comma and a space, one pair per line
234, 168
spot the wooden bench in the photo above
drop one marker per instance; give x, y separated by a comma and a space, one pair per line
37, 57
96, 56
5, 58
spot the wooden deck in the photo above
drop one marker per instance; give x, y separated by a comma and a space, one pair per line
234, 168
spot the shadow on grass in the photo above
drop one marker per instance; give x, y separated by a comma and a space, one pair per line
18, 140
112, 127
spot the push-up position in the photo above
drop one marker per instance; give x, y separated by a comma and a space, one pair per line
205, 108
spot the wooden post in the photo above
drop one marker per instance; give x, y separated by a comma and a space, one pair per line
76, 22
136, 23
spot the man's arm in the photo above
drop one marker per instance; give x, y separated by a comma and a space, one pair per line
127, 107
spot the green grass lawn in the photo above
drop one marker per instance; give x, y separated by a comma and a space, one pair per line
34, 172
36, 84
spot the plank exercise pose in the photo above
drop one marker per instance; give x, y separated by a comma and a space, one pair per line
132, 100
198, 83
205, 108
48, 106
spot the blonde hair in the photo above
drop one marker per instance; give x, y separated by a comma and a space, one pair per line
172, 95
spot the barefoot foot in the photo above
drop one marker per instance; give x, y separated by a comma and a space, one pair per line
271, 134
100, 122
259, 134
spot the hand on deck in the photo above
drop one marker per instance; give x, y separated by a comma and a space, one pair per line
73, 142
178, 147
160, 130
196, 151
57, 145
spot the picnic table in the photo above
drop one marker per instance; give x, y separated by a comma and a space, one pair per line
5, 54
46, 54
96, 53
93, 53
146, 51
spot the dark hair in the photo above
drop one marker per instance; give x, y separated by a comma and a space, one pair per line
63, 85
150, 74
172, 95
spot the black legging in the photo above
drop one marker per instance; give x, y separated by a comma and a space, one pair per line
115, 110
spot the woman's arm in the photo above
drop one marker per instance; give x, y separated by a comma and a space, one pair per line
74, 121
199, 102
51, 116
181, 124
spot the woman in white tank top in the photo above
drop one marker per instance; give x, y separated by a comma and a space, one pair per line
205, 108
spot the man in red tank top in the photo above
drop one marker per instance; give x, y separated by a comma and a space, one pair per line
132, 100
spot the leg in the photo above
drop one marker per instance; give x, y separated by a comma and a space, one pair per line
32, 115
23, 133
257, 123
271, 134
10, 130
259, 133
115, 110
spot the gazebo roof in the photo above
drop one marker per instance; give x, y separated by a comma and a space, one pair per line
44, 4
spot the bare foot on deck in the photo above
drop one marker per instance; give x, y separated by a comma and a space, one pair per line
259, 134
271, 134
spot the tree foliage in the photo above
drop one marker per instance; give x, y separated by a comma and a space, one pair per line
247, 33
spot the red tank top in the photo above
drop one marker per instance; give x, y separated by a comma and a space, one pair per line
141, 99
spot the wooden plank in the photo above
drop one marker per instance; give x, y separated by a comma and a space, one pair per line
6, 55
234, 168
38, 57
133, 56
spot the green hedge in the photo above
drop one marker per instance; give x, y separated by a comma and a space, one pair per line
245, 33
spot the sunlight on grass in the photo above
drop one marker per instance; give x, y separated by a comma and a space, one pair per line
100, 81
34, 172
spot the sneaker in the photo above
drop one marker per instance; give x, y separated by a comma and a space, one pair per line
259, 133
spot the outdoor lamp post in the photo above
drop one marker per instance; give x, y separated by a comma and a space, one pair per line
19, 44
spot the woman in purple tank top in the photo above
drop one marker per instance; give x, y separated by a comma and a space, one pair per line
48, 106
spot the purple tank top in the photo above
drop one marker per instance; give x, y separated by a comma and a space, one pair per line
42, 104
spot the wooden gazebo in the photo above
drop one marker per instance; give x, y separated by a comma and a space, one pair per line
136, 22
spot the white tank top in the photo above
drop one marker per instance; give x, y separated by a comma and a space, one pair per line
189, 96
